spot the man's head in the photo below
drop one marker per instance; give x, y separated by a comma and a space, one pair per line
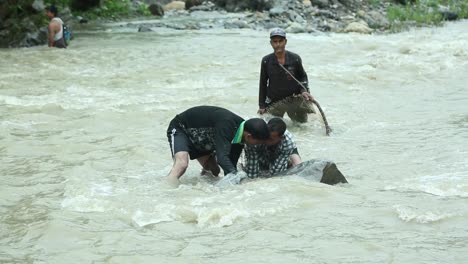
277, 128
278, 40
277, 32
51, 11
256, 131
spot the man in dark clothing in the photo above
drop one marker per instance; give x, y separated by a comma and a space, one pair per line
212, 135
278, 91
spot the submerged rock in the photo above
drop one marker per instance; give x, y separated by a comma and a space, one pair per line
323, 171
175, 5
358, 27
156, 9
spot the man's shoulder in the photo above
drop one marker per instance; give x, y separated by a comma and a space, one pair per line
288, 141
56, 24
215, 113
288, 135
268, 57
56, 20
293, 55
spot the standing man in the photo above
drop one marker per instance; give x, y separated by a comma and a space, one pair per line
277, 154
55, 28
278, 91
212, 135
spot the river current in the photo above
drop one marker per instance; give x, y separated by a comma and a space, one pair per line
83, 150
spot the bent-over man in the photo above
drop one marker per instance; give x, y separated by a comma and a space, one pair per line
212, 135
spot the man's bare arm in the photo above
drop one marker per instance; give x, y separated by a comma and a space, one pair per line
52, 31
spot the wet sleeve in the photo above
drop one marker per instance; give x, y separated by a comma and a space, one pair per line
280, 164
223, 147
302, 75
236, 150
262, 85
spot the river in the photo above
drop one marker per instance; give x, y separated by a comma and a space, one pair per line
83, 150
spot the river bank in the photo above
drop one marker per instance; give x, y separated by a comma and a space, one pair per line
28, 27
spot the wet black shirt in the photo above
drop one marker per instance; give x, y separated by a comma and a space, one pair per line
212, 128
275, 83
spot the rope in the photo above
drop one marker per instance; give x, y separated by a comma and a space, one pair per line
327, 127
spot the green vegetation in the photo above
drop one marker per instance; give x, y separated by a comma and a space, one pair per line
117, 9
416, 13
424, 12
112, 9
58, 3
108, 9
375, 2
19, 10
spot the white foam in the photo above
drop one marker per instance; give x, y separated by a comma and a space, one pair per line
84, 203
84, 194
163, 213
409, 214
214, 208
444, 185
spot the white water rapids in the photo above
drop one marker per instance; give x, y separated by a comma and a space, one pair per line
83, 150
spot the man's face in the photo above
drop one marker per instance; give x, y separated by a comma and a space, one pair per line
274, 139
278, 43
49, 14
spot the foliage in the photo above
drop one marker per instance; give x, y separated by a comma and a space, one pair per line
115, 9
16, 10
143, 10
416, 13
424, 12
375, 2
459, 6
58, 3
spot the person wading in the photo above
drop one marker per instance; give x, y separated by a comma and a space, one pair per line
55, 28
279, 92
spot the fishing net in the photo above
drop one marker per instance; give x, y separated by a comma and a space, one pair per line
291, 104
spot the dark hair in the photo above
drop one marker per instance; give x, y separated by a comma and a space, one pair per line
257, 128
277, 125
52, 9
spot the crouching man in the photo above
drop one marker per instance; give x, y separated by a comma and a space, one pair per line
276, 155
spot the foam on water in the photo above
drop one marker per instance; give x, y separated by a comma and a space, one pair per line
444, 185
84, 150
412, 214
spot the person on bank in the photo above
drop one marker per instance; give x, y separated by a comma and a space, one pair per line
212, 135
277, 154
279, 92
55, 28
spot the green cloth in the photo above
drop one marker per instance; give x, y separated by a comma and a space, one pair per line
238, 137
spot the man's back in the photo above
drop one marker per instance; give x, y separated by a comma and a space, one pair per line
208, 116
212, 128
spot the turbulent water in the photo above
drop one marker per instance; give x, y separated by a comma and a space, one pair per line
83, 150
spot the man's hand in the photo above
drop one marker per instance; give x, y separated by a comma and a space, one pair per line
261, 111
307, 96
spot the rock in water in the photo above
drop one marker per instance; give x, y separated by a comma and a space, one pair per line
323, 171
231, 179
